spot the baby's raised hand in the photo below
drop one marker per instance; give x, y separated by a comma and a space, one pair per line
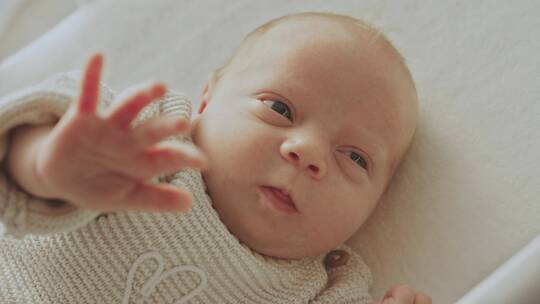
403, 294
103, 164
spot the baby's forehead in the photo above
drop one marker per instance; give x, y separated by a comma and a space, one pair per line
325, 55
304, 42
310, 30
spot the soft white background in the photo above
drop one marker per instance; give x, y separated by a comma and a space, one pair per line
466, 199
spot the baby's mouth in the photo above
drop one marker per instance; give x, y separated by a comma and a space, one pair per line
280, 198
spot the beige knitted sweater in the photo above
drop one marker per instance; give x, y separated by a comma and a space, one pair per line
136, 257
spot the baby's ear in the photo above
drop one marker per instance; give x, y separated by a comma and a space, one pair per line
209, 86
207, 91
194, 124
202, 106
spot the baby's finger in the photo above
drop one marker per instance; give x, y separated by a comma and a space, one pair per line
156, 129
90, 87
126, 111
164, 158
401, 294
158, 198
170, 157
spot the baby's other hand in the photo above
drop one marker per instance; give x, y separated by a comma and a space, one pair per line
403, 294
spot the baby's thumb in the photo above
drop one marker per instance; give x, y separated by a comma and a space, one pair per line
399, 294
385, 301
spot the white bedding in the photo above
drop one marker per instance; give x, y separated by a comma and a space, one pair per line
466, 199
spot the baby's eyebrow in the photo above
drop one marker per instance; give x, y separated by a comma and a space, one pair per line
289, 90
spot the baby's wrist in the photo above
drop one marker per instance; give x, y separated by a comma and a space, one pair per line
22, 159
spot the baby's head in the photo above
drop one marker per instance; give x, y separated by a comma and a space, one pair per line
318, 105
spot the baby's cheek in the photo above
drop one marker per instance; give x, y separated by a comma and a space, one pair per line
326, 230
242, 147
338, 216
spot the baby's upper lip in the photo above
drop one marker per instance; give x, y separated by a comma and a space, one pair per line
285, 191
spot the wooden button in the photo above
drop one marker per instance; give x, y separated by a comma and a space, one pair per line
105, 215
336, 258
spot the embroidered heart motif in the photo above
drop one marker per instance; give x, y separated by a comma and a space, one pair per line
159, 275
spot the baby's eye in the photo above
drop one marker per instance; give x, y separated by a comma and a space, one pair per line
358, 159
279, 107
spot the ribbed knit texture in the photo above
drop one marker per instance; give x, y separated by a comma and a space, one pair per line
136, 257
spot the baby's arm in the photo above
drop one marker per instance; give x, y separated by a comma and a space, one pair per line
102, 163
24, 209
25, 144
85, 162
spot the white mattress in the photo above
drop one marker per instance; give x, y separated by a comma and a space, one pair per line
466, 199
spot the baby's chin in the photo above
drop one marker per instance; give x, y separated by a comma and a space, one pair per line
250, 227
276, 246
290, 252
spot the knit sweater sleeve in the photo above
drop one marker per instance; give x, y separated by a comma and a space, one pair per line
347, 284
45, 103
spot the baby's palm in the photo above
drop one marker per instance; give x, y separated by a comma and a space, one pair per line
104, 164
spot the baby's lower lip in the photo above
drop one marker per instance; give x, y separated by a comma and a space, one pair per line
277, 201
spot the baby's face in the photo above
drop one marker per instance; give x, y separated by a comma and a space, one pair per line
315, 112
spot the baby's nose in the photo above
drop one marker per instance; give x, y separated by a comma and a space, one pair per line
314, 169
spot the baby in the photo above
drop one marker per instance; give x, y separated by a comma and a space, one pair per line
295, 140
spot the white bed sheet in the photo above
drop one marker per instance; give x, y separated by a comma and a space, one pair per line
21, 21
464, 201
